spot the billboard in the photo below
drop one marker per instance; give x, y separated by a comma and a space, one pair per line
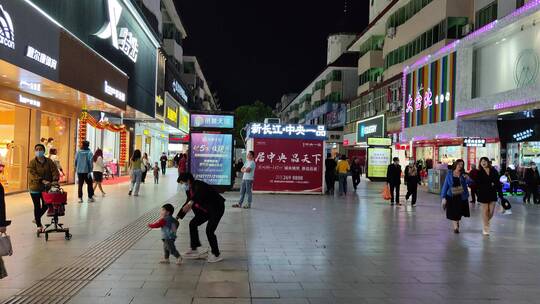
371, 127
183, 120
211, 158
378, 160
212, 121
288, 165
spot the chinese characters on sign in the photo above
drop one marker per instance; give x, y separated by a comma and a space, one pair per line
128, 44
41, 57
114, 92
523, 135
427, 100
288, 165
474, 142
211, 158
212, 121
287, 131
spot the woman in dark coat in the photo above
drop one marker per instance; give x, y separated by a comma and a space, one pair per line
455, 194
3, 222
488, 188
412, 180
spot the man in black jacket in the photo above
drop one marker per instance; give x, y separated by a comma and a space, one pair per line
393, 178
532, 181
208, 206
330, 173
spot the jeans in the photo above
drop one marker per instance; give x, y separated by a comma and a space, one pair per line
85, 178
213, 218
39, 207
156, 179
355, 180
163, 167
135, 181
169, 248
343, 183
246, 187
394, 188
412, 190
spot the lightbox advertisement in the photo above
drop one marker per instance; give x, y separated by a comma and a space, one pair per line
378, 160
211, 158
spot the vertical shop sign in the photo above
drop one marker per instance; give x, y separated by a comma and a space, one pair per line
288, 165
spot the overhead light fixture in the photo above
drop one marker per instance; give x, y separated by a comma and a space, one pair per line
505, 113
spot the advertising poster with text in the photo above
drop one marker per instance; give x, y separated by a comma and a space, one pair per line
288, 165
211, 158
378, 161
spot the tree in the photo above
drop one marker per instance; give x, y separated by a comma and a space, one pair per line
246, 114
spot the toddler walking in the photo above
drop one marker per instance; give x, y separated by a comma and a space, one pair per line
168, 225
156, 173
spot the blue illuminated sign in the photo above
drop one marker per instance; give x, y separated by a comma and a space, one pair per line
260, 130
212, 121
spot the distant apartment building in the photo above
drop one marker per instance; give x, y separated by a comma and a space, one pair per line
193, 76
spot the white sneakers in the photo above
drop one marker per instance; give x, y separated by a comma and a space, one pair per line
214, 259
166, 261
202, 254
91, 200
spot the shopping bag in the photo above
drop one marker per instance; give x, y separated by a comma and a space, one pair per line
386, 192
5, 245
505, 204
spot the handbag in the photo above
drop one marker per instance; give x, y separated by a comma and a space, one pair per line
457, 190
386, 193
5, 245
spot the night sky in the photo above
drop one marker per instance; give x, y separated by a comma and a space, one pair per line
259, 50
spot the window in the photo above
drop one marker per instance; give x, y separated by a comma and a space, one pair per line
520, 3
486, 15
406, 12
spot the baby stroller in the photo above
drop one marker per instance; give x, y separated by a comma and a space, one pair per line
107, 173
55, 199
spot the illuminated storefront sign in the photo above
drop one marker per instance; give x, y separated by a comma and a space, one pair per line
474, 142
114, 92
378, 141
34, 86
372, 127
523, 135
41, 57
7, 31
172, 114
29, 101
183, 122
287, 131
212, 121
429, 93
122, 40
178, 89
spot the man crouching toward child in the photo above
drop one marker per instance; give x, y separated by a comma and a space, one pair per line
169, 226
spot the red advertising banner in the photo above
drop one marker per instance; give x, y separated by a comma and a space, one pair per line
288, 165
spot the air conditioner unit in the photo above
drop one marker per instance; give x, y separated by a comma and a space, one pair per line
465, 30
391, 32
272, 121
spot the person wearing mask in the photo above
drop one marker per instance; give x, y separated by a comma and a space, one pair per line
54, 157
412, 180
98, 169
145, 167
343, 169
248, 171
473, 175
356, 171
532, 181
393, 179
3, 222
163, 160
455, 194
489, 186
330, 173
135, 166
208, 206
182, 164
41, 172
83, 165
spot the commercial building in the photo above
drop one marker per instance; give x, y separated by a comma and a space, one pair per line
49, 75
193, 76
399, 33
482, 87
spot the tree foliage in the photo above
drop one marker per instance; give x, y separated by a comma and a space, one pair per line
246, 114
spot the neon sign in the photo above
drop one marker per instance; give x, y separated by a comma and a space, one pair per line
7, 36
523, 135
287, 131
426, 100
41, 57
114, 92
474, 142
29, 101
124, 41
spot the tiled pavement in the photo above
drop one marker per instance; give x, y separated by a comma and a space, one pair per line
318, 249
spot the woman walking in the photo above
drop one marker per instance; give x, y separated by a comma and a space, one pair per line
412, 180
343, 169
54, 157
145, 167
455, 195
98, 170
41, 172
182, 164
135, 165
488, 187
356, 171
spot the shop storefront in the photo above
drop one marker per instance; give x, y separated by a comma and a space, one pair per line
48, 76
152, 138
